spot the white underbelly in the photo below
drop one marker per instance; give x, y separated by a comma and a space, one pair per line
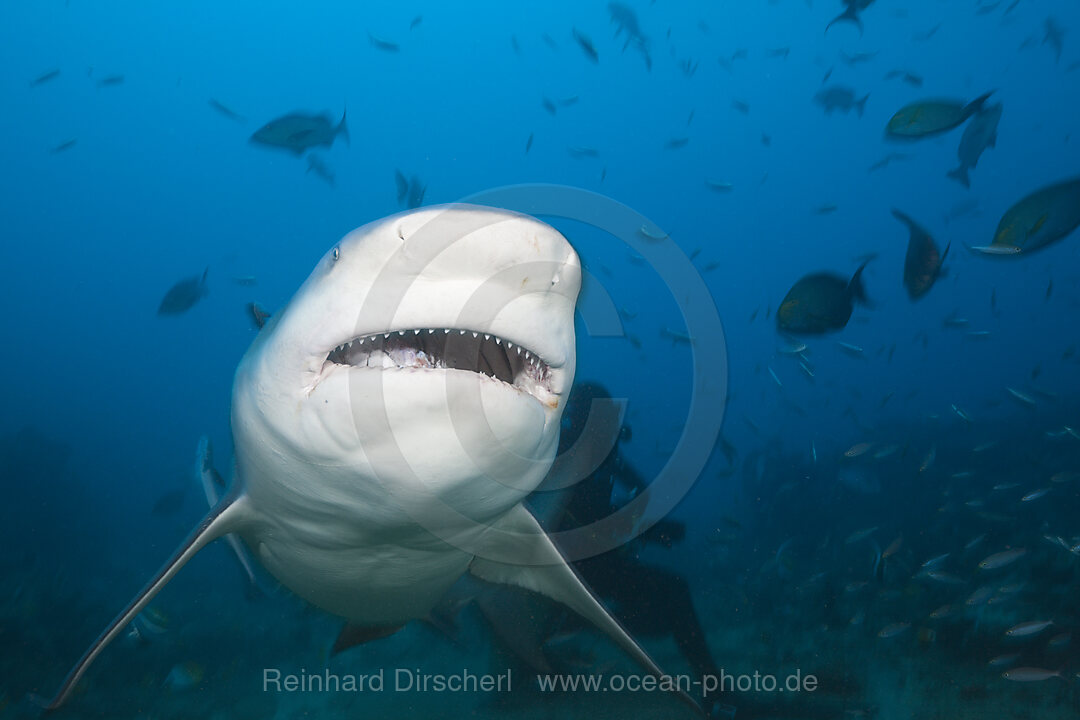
373, 584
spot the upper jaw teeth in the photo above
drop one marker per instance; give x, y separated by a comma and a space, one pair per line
433, 348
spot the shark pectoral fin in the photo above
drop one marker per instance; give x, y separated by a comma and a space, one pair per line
353, 635
539, 567
224, 518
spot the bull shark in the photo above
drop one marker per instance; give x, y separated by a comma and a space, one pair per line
389, 422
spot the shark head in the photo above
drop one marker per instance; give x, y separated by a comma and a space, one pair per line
427, 356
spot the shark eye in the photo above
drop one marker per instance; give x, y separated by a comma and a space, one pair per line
336, 254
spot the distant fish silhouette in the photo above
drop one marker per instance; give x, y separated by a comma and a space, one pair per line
183, 296
385, 45
226, 111
45, 77
299, 132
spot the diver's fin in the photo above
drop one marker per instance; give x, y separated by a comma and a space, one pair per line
538, 566
226, 517
353, 635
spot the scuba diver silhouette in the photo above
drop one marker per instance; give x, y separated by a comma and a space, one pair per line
648, 600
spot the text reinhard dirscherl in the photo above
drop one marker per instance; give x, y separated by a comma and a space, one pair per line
402, 680
413, 680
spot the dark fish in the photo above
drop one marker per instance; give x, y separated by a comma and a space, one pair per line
111, 81
549, 41
1054, 37
586, 46
838, 97
299, 132
820, 303
528, 144
182, 296
319, 167
382, 44
980, 134
169, 503
922, 266
766, 139
226, 111
569, 100
826, 209
1042, 218
514, 44
549, 106
932, 117
626, 23
852, 8
416, 22
741, 106
778, 53
676, 143
45, 77
258, 315
66, 145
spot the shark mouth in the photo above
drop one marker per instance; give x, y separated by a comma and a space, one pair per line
446, 349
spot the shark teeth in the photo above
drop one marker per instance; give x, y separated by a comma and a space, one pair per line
442, 348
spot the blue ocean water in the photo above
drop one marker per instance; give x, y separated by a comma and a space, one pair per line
121, 178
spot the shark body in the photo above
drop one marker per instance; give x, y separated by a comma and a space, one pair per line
388, 423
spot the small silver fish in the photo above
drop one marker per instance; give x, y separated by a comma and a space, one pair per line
893, 630
1027, 629
1022, 397
1001, 559
935, 561
1030, 674
995, 249
960, 412
1035, 494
